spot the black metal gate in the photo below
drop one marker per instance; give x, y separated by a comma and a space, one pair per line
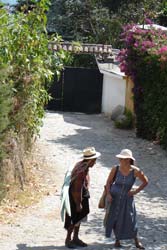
78, 90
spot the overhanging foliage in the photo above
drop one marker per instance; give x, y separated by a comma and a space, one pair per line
27, 66
144, 59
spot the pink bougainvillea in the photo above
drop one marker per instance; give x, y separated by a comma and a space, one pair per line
144, 59
162, 50
140, 43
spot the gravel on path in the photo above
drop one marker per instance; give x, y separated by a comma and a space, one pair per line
62, 138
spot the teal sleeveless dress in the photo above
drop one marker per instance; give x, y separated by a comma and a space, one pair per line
121, 218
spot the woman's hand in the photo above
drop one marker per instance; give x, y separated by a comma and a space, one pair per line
144, 181
132, 192
79, 208
109, 197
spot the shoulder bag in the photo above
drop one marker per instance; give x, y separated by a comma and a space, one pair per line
102, 200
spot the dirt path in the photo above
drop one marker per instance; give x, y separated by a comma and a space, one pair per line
63, 136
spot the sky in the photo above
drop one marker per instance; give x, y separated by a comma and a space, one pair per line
9, 1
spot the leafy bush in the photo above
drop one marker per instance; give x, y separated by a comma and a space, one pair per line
28, 67
144, 59
6, 94
126, 121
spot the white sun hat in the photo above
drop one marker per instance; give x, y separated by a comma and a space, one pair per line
90, 153
125, 154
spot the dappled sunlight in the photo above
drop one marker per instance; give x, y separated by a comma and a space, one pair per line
61, 142
154, 207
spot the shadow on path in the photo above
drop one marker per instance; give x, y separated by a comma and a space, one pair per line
146, 227
25, 247
98, 131
95, 245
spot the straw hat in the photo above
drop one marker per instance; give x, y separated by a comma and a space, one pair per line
125, 154
90, 153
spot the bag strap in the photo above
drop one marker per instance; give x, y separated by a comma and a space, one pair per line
116, 170
115, 174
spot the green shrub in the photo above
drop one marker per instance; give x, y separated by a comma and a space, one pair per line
126, 122
28, 67
5, 109
144, 59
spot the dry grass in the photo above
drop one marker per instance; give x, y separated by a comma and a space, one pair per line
14, 200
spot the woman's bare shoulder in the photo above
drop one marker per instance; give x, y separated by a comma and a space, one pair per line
135, 168
112, 170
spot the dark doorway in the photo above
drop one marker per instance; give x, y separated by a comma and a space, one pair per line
78, 90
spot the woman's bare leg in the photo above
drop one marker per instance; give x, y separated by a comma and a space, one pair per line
69, 233
76, 239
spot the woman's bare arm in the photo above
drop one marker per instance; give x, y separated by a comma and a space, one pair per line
109, 182
144, 181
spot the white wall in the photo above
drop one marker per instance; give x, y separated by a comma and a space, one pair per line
114, 89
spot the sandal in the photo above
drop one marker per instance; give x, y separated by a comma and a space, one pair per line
117, 243
139, 245
79, 243
70, 244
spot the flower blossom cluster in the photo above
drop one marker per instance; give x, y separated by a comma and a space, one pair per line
139, 44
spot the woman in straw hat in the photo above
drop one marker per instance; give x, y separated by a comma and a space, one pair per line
79, 197
121, 218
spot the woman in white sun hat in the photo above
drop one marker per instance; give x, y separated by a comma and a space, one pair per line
121, 218
79, 197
